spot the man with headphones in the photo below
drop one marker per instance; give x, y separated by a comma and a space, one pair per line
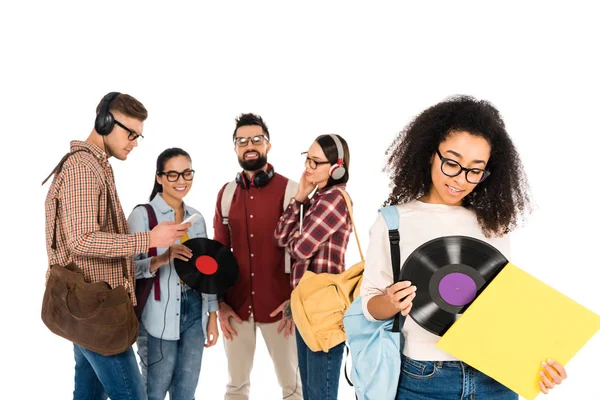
81, 205
246, 215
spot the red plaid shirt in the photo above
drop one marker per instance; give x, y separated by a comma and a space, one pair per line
325, 234
85, 233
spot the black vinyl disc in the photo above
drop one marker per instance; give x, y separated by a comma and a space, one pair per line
212, 269
449, 273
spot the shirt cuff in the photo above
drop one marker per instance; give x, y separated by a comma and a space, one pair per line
141, 242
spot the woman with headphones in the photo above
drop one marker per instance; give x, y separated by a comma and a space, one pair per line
318, 243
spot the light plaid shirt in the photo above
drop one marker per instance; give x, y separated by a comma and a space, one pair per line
326, 230
85, 232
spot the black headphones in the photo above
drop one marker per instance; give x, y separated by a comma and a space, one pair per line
259, 179
105, 121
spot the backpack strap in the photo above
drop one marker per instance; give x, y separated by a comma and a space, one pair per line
349, 207
226, 200
392, 219
152, 222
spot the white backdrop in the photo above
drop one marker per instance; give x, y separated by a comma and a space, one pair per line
359, 70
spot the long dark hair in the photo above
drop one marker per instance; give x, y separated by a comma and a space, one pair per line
160, 166
501, 201
330, 150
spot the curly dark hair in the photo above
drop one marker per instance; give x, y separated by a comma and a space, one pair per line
501, 201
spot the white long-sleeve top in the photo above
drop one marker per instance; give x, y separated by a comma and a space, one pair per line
419, 223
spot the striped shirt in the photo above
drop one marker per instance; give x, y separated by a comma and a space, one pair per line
85, 232
326, 229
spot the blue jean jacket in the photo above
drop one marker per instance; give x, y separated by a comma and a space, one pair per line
155, 312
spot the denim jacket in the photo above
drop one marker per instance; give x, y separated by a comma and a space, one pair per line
164, 314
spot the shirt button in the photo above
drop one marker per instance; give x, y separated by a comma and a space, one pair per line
252, 274
252, 235
177, 314
251, 216
249, 306
252, 292
251, 197
251, 255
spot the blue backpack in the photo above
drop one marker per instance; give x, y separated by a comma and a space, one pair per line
375, 347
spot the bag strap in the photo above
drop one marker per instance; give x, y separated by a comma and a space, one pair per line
226, 200
152, 222
111, 208
349, 206
392, 219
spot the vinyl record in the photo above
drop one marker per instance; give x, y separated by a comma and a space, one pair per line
212, 269
449, 273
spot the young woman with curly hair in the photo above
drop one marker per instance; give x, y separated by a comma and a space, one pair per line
454, 171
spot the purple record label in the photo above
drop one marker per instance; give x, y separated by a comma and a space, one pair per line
457, 289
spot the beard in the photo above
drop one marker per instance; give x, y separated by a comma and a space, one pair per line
253, 165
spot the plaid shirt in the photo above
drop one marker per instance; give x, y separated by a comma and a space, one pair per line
326, 230
85, 232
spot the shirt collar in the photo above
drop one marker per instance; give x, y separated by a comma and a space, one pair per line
91, 147
329, 190
161, 205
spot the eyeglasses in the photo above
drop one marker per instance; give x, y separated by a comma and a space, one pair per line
173, 176
313, 164
242, 141
132, 134
452, 168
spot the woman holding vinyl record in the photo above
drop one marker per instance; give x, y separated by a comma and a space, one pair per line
318, 241
454, 172
177, 322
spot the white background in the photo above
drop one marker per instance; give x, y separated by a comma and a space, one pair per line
359, 70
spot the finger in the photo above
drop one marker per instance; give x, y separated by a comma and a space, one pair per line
543, 388
404, 293
406, 302
281, 326
550, 371
226, 326
406, 311
547, 382
236, 317
290, 328
181, 257
226, 334
399, 286
276, 311
559, 368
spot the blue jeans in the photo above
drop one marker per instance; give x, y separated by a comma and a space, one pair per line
319, 371
174, 365
448, 380
98, 377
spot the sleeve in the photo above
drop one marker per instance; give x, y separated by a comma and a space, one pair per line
80, 193
213, 303
328, 215
221, 231
287, 224
378, 274
138, 222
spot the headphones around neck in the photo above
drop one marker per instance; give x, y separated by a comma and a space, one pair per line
337, 170
259, 179
105, 121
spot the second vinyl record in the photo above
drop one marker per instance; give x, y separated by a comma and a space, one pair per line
449, 272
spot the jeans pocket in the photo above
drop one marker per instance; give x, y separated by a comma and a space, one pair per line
418, 369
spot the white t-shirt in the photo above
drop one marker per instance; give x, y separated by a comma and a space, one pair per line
419, 223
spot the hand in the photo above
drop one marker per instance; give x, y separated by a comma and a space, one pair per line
212, 332
287, 321
176, 251
401, 295
304, 189
166, 233
552, 374
226, 312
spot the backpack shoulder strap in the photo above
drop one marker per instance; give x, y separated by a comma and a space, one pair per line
152, 222
392, 219
226, 200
